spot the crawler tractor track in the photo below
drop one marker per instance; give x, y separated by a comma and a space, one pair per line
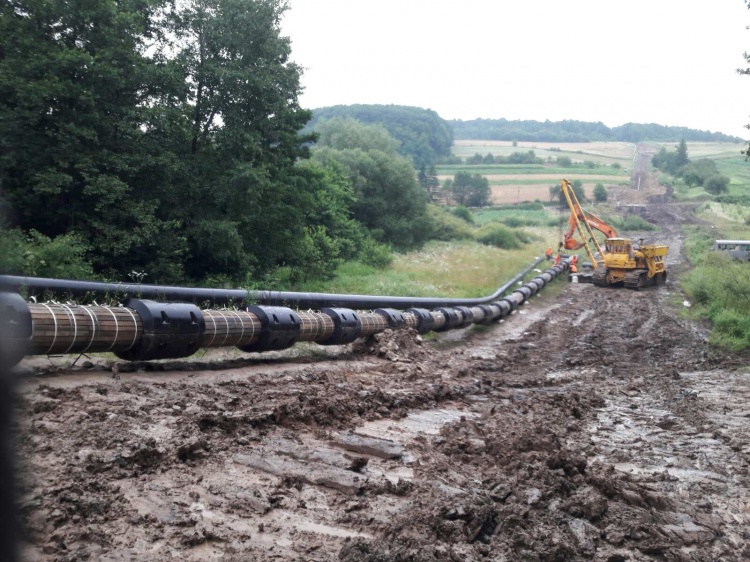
599, 278
637, 279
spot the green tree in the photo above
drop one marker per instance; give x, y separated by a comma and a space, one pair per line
471, 190
681, 159
239, 119
600, 193
427, 178
389, 201
423, 136
671, 162
341, 133
74, 91
717, 184
555, 192
164, 133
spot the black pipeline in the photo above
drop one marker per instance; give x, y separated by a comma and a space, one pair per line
67, 289
144, 329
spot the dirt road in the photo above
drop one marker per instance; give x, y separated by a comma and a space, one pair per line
591, 425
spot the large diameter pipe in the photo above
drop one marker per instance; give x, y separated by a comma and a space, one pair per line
145, 330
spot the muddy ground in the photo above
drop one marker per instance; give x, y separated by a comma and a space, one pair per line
593, 424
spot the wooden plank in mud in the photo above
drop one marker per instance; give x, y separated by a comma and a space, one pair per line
312, 473
381, 448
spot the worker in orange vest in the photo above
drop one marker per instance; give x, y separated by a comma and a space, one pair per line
573, 268
574, 259
548, 253
557, 259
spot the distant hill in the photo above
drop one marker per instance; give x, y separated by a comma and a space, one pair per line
578, 131
425, 137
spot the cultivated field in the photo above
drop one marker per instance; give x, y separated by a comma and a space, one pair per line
608, 163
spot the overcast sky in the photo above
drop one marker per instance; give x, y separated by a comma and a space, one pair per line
671, 62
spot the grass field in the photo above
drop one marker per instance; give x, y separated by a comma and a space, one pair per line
713, 150
514, 183
460, 269
605, 152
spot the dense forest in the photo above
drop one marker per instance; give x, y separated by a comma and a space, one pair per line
577, 131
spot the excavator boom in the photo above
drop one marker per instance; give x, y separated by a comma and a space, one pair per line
582, 221
622, 262
579, 215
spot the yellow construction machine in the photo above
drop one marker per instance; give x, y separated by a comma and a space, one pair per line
619, 262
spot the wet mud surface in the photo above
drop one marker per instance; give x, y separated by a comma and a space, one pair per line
594, 424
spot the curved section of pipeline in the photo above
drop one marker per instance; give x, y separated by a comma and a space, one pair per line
38, 286
143, 329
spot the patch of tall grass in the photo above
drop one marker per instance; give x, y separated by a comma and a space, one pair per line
697, 243
531, 214
720, 286
463, 269
729, 211
630, 223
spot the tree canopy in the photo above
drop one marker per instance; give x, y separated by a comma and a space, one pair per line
470, 190
702, 172
577, 131
162, 137
423, 135
388, 199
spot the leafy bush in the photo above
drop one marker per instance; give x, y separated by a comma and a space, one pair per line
717, 184
498, 235
731, 329
632, 222
317, 256
377, 255
734, 199
463, 213
447, 226
36, 255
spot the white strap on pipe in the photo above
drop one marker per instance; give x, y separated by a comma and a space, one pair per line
93, 327
211, 316
54, 319
242, 324
135, 325
117, 327
75, 327
226, 323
